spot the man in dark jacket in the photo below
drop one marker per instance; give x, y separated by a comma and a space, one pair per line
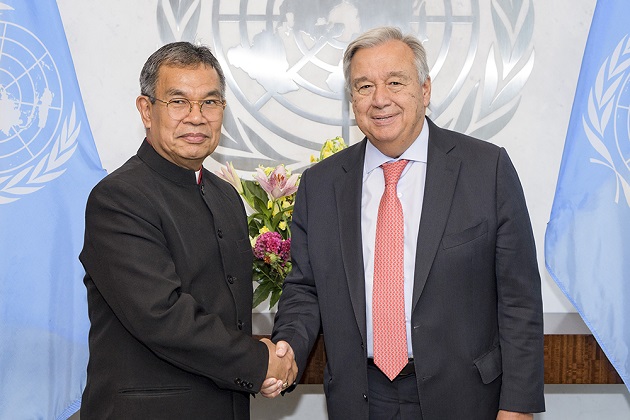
463, 310
168, 264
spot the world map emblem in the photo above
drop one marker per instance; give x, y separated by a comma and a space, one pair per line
36, 136
283, 64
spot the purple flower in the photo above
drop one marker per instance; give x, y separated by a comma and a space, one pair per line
285, 249
272, 249
268, 242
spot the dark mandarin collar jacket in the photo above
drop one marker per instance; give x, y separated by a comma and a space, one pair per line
168, 277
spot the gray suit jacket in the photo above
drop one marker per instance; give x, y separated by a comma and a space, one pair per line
169, 292
477, 310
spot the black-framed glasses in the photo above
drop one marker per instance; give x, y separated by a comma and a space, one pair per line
180, 108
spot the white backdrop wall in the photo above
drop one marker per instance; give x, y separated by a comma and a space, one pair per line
110, 40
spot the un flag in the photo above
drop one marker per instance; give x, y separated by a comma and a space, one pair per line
48, 165
588, 236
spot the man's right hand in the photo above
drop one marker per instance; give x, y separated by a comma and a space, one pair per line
282, 369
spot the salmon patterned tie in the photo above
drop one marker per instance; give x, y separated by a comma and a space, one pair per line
388, 295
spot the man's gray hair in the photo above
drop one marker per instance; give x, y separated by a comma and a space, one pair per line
178, 54
381, 35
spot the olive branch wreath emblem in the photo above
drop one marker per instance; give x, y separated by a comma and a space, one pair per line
601, 104
49, 167
488, 107
178, 19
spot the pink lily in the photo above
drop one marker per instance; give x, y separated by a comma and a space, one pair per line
228, 173
278, 184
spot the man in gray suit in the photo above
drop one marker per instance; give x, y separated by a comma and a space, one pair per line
168, 264
473, 335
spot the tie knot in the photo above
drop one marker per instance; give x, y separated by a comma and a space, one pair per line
392, 170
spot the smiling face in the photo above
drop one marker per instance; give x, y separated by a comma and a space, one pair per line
388, 101
189, 141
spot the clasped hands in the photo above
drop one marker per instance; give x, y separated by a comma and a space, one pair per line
282, 369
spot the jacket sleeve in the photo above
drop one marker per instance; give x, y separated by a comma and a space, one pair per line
297, 320
520, 309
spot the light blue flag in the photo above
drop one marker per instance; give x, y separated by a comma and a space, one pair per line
48, 164
587, 243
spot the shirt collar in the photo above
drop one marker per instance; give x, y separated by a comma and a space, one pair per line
417, 151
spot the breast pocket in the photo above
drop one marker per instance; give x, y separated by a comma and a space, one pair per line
465, 236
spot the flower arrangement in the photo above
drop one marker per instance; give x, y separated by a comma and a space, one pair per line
270, 197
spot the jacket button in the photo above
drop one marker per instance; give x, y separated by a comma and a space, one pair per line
239, 325
230, 279
250, 385
365, 397
237, 381
219, 233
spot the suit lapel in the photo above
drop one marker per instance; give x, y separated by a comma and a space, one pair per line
348, 199
441, 179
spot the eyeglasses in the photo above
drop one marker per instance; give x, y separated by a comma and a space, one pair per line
367, 89
180, 108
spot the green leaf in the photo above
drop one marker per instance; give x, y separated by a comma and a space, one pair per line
261, 294
255, 190
275, 297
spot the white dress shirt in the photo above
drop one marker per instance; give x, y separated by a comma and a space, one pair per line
410, 191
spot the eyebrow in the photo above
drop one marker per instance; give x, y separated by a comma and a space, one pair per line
400, 74
359, 80
177, 92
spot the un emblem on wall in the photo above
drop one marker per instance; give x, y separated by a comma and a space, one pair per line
34, 141
282, 61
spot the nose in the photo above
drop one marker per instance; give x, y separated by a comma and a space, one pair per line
381, 95
195, 111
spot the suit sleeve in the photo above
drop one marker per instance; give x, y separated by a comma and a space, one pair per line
297, 320
519, 297
128, 258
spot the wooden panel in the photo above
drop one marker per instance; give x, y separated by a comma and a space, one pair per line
569, 359
577, 359
314, 373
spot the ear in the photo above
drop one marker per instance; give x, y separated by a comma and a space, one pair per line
426, 91
144, 107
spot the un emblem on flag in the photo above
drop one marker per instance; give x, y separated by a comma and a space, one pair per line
36, 139
607, 120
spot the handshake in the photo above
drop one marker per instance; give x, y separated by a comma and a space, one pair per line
282, 369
